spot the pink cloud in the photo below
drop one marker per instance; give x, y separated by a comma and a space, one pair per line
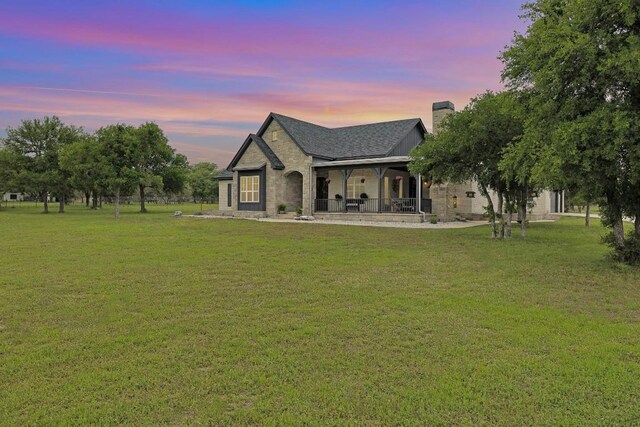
203, 153
211, 76
326, 102
187, 34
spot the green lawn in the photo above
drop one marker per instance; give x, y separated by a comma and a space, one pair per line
155, 320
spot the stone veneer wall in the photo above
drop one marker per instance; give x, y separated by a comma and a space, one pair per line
222, 195
293, 191
442, 199
437, 117
276, 180
294, 160
540, 210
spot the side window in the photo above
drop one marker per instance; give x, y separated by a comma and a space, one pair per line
229, 187
250, 189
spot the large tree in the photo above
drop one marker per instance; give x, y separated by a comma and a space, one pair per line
469, 146
37, 144
87, 165
119, 174
581, 62
8, 169
151, 156
203, 182
175, 175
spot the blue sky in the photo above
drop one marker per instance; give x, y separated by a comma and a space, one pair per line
210, 72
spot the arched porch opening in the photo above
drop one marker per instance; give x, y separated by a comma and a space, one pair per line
293, 191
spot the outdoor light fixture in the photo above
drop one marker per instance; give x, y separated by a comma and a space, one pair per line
399, 177
471, 194
454, 201
327, 180
362, 180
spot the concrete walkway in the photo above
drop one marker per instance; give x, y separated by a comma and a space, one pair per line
594, 216
421, 225
439, 225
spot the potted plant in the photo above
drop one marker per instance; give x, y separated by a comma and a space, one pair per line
282, 208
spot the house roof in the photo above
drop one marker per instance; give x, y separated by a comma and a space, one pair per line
225, 174
344, 143
269, 154
362, 141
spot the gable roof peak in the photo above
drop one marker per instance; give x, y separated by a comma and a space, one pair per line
364, 140
262, 145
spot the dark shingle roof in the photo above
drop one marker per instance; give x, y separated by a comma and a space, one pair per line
268, 152
371, 140
273, 159
226, 174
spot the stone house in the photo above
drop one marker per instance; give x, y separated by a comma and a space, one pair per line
355, 172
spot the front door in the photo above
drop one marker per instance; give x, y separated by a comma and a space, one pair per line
412, 187
322, 194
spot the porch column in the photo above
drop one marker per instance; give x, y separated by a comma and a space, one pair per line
418, 191
346, 173
380, 174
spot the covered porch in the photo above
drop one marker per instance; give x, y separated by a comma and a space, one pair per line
382, 185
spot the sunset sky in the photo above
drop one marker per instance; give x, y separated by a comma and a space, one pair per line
210, 72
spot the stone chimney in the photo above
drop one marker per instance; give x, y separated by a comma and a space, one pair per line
440, 110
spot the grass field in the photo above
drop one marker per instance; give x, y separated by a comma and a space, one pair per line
155, 320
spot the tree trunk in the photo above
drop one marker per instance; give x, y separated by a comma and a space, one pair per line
618, 231
94, 200
87, 194
45, 200
523, 222
100, 199
637, 225
143, 209
491, 211
500, 214
117, 204
587, 220
523, 212
61, 204
509, 210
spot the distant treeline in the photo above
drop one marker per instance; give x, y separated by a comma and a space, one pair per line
46, 158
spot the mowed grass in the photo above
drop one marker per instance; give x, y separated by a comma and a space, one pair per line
152, 320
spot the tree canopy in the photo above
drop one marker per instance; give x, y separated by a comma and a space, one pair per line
35, 145
87, 164
154, 162
203, 182
47, 157
579, 61
469, 147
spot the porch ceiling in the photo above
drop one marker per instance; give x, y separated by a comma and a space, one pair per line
363, 162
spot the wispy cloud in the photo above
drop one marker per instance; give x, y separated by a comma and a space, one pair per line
210, 72
101, 92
